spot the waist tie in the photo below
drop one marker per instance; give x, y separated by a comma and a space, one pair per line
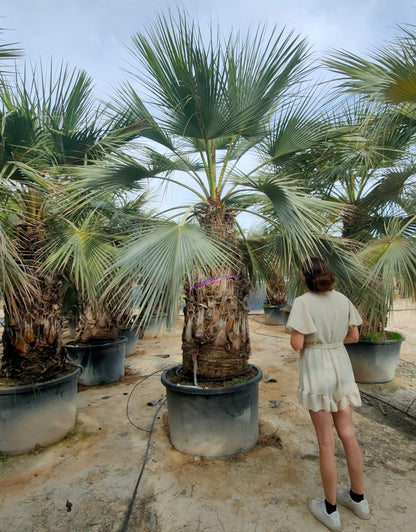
324, 346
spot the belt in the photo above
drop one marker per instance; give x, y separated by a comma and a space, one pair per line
324, 346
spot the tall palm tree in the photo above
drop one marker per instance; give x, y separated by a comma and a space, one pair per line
385, 85
210, 106
50, 126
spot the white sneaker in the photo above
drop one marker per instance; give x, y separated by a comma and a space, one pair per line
318, 510
360, 509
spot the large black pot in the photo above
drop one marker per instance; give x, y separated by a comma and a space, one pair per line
100, 361
374, 362
275, 315
37, 414
213, 422
132, 334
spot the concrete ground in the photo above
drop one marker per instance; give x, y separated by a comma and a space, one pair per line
111, 475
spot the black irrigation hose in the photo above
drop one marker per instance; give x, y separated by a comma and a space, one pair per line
405, 412
136, 487
253, 315
269, 335
149, 438
131, 393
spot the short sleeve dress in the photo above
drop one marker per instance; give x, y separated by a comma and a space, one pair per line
326, 379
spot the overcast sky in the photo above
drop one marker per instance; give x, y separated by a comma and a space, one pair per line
94, 34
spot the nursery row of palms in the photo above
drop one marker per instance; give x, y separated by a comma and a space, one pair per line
233, 124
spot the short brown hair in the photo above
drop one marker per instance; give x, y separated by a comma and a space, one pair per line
318, 276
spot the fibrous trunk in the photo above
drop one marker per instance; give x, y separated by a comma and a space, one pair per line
215, 339
276, 290
96, 323
32, 336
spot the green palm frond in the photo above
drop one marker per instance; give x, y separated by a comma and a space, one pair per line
82, 252
390, 188
132, 119
219, 89
300, 125
391, 262
115, 172
160, 258
389, 76
300, 217
8, 51
51, 119
392, 257
12, 271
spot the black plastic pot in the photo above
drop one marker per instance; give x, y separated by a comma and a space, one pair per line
213, 422
38, 414
100, 361
374, 362
132, 335
275, 315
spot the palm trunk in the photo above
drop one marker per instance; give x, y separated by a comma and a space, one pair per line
96, 323
215, 338
276, 290
32, 336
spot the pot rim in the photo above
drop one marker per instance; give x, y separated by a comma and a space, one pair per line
24, 388
79, 345
194, 390
380, 342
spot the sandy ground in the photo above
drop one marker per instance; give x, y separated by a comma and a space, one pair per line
90, 480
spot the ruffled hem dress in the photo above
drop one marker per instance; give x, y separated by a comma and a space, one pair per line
326, 378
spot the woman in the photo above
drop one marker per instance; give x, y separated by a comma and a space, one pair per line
321, 321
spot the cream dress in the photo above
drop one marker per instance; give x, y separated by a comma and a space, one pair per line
326, 379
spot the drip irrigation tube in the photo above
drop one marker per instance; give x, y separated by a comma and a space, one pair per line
149, 438
405, 412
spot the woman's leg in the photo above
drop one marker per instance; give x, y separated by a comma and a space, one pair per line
345, 430
322, 421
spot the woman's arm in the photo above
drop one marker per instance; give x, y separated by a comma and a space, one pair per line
297, 340
353, 335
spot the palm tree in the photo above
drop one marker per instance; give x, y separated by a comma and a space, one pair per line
50, 126
84, 247
386, 88
384, 215
211, 106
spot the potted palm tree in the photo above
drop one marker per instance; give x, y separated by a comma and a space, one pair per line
49, 127
276, 306
85, 251
90, 250
383, 219
374, 358
212, 106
